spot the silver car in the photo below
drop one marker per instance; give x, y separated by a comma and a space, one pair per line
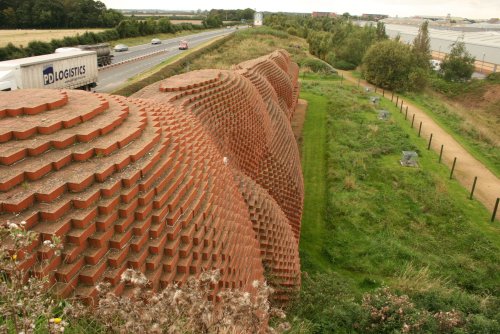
120, 47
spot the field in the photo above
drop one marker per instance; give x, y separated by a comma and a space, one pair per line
22, 37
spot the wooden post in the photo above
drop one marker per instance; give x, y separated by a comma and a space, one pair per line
412, 120
401, 109
430, 141
495, 210
420, 128
453, 167
392, 97
397, 100
383, 92
441, 153
375, 89
406, 115
473, 187
359, 79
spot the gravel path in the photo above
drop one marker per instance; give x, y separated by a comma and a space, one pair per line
467, 167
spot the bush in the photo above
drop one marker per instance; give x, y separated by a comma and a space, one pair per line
317, 65
458, 65
388, 64
344, 65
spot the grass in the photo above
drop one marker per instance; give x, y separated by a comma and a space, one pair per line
372, 223
481, 146
313, 167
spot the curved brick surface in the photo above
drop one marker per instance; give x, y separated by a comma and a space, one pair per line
278, 245
195, 172
124, 184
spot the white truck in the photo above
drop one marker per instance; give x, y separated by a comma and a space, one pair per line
68, 70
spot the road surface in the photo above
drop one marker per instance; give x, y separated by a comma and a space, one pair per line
113, 77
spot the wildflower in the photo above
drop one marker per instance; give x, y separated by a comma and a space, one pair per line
12, 225
14, 257
55, 320
47, 243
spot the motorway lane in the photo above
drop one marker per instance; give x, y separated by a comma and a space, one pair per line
113, 77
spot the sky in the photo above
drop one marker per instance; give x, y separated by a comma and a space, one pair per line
474, 9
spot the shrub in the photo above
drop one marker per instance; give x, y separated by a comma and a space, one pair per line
344, 65
317, 65
458, 65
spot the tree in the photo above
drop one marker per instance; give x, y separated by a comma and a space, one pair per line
390, 64
212, 21
422, 46
381, 35
458, 65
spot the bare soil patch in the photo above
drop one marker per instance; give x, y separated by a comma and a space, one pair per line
298, 118
22, 37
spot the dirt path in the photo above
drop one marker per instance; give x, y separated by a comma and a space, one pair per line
467, 167
298, 118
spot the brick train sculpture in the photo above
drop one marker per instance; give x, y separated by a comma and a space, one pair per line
195, 172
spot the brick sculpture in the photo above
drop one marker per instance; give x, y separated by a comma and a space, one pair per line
198, 171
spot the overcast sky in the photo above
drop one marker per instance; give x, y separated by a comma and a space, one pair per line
461, 8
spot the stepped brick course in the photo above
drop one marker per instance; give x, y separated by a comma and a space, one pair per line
196, 172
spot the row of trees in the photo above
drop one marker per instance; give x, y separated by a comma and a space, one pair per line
233, 14
335, 40
394, 65
16, 14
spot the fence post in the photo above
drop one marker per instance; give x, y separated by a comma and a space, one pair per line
375, 90
473, 187
392, 97
495, 210
359, 79
406, 115
412, 120
441, 153
430, 141
383, 92
397, 100
453, 167
419, 128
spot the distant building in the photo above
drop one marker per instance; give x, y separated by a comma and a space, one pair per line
323, 14
373, 17
258, 19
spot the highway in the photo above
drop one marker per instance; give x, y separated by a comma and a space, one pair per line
113, 77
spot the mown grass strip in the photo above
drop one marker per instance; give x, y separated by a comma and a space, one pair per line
313, 167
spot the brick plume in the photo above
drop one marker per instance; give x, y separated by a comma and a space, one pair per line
195, 172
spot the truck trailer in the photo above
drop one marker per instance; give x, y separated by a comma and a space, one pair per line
68, 70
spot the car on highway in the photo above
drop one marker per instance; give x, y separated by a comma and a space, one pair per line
120, 47
183, 45
155, 41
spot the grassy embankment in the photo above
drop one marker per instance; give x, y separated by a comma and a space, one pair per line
469, 115
469, 112
412, 230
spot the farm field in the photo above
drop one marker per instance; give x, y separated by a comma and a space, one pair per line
22, 37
